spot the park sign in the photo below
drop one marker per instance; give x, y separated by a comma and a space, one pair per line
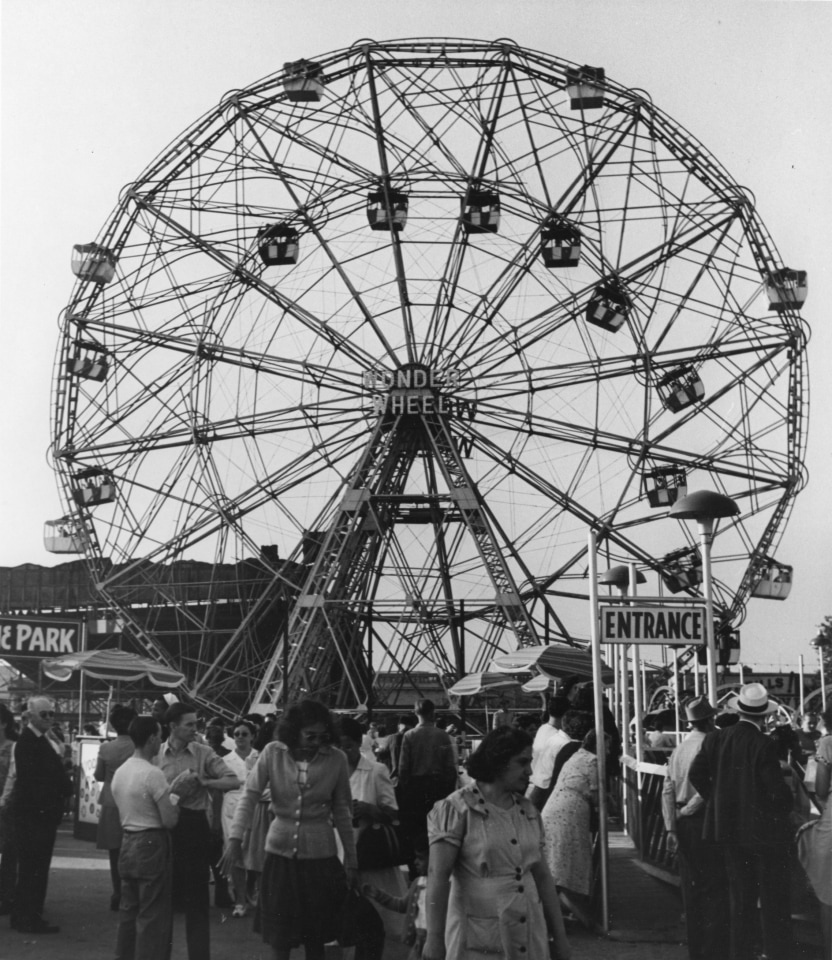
677, 625
38, 636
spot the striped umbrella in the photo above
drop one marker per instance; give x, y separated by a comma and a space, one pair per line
479, 682
112, 666
553, 660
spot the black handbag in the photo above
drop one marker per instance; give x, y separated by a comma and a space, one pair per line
380, 845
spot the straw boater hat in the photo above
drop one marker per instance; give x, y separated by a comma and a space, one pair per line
753, 701
699, 709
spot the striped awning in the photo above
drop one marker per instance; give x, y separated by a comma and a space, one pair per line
112, 666
478, 682
554, 660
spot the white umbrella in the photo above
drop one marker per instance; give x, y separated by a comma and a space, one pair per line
554, 660
479, 682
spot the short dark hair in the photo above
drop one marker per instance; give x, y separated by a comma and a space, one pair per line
121, 717
7, 721
142, 728
576, 724
304, 714
424, 708
252, 728
176, 711
495, 751
350, 728
557, 706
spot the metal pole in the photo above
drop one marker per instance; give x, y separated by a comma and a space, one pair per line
600, 740
706, 529
802, 684
822, 677
81, 680
678, 697
638, 705
284, 627
370, 662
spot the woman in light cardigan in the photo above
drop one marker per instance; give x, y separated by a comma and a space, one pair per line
303, 884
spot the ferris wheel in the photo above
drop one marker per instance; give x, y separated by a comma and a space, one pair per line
358, 360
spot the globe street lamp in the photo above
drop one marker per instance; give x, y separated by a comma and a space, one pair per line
820, 643
705, 506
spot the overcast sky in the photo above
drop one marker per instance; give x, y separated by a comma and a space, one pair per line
92, 91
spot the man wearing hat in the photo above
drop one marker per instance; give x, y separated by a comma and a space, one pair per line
738, 773
701, 868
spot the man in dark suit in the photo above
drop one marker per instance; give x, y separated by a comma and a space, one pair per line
738, 773
37, 802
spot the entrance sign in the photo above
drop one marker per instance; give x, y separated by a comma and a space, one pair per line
684, 626
31, 636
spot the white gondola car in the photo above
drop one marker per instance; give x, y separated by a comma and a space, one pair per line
585, 87
481, 212
64, 536
94, 486
682, 569
608, 308
91, 261
89, 363
278, 245
681, 388
787, 289
665, 485
380, 217
775, 582
560, 244
303, 82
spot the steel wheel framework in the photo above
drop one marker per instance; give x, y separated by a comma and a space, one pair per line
429, 403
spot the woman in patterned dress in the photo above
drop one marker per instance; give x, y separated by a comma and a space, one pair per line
489, 888
567, 819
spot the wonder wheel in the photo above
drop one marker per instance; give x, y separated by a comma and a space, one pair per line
358, 360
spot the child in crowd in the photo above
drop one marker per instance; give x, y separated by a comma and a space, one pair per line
412, 904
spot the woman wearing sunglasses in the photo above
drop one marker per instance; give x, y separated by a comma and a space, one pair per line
303, 885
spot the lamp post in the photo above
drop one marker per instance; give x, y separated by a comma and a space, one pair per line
820, 643
705, 506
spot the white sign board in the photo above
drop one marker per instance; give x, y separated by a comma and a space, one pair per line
682, 626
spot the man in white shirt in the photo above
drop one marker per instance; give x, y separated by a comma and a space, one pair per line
547, 743
142, 795
701, 871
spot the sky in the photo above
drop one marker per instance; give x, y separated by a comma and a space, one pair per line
92, 91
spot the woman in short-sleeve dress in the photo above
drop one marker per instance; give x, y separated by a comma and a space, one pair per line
489, 889
567, 818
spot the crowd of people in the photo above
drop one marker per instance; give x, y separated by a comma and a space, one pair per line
324, 829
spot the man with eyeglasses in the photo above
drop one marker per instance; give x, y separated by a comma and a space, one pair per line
37, 802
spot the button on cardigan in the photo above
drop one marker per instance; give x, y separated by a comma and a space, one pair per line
304, 814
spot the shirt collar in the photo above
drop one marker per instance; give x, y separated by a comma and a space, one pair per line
168, 747
35, 731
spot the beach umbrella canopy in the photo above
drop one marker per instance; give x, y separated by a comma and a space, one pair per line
539, 684
554, 660
112, 666
479, 682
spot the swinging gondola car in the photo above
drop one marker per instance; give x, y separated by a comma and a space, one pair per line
775, 583
481, 212
278, 245
303, 82
585, 87
664, 486
95, 486
91, 261
560, 244
787, 289
378, 215
65, 535
682, 569
89, 363
608, 307
681, 388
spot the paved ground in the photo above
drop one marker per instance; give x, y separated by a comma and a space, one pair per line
645, 917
